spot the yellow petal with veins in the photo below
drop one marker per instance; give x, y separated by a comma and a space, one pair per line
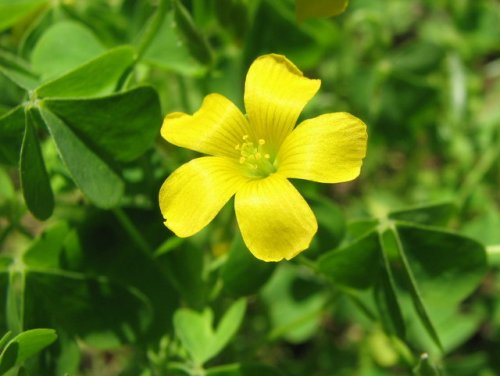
215, 129
275, 221
327, 149
276, 91
193, 195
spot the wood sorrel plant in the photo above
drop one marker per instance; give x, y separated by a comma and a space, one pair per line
371, 278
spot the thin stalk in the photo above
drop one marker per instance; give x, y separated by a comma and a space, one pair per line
477, 173
132, 231
152, 28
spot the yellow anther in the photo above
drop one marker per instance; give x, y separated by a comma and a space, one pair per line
254, 157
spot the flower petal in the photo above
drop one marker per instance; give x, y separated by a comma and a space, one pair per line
275, 94
274, 219
215, 129
193, 195
327, 149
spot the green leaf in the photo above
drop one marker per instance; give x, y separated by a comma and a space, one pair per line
167, 51
296, 304
34, 178
12, 12
45, 251
229, 325
194, 39
390, 240
25, 345
354, 266
97, 77
319, 8
195, 332
387, 301
12, 126
233, 15
115, 256
63, 47
448, 266
91, 174
102, 312
4, 339
242, 273
305, 46
435, 215
184, 266
331, 226
18, 71
121, 126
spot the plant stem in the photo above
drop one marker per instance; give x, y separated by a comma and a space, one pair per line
132, 231
152, 28
477, 173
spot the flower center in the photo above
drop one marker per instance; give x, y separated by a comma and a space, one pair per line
255, 158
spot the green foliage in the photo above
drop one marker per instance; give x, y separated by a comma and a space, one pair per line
197, 335
23, 346
402, 276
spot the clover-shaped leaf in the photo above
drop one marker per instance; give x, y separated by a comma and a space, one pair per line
400, 254
196, 333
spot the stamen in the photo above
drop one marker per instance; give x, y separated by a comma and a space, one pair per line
254, 157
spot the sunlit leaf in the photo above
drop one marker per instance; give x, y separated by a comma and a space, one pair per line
97, 77
64, 46
12, 12
25, 345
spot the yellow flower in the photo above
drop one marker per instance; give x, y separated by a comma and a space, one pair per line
253, 156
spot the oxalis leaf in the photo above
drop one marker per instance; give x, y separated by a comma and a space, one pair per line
97, 77
103, 311
121, 126
91, 174
92, 133
25, 345
437, 268
12, 12
64, 46
197, 335
12, 126
34, 178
